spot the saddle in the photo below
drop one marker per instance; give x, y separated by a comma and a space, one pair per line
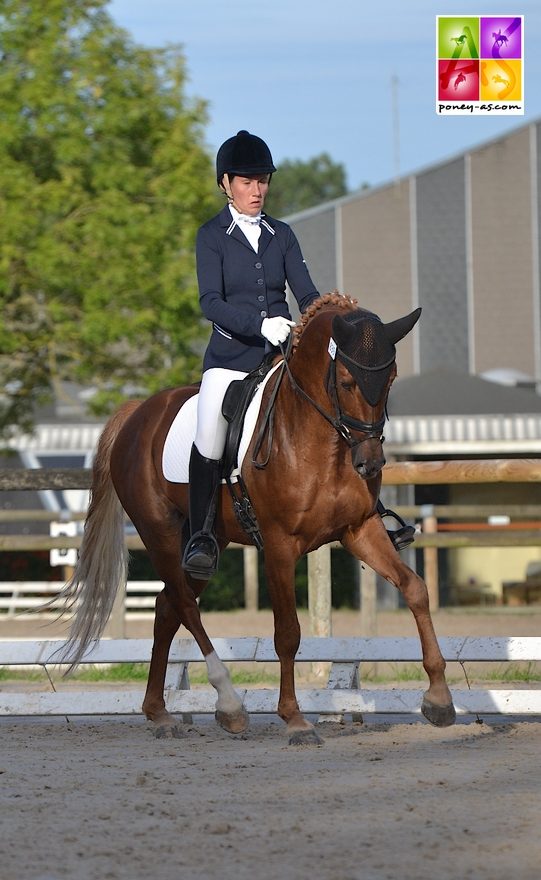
235, 404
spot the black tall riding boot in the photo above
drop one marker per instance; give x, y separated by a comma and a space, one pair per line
201, 554
401, 537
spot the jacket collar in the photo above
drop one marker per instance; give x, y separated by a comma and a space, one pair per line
226, 219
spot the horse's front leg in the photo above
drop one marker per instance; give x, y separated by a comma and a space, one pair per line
371, 544
280, 571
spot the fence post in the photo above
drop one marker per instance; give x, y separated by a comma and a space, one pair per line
430, 555
117, 621
251, 578
368, 600
319, 599
319, 591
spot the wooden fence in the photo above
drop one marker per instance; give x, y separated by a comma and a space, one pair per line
395, 473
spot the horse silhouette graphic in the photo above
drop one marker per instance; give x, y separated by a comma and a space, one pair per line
500, 79
500, 39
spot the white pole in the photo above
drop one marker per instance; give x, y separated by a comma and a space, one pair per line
396, 127
319, 599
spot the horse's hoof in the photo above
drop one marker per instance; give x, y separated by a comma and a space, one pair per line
308, 737
233, 722
439, 716
169, 731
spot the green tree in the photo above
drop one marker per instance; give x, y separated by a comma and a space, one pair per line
104, 180
298, 185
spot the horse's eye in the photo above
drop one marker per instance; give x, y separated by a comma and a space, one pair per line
347, 385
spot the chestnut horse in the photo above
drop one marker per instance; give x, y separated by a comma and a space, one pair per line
321, 483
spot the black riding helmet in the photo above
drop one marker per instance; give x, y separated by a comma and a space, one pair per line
244, 154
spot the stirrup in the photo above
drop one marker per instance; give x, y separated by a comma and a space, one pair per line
402, 537
201, 556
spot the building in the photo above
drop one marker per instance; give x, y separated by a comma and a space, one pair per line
461, 239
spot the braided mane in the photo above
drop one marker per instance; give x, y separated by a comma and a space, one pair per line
334, 299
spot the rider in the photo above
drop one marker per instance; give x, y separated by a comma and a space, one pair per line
244, 259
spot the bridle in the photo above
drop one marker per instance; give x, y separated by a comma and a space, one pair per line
343, 423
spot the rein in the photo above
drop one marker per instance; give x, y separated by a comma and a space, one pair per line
341, 422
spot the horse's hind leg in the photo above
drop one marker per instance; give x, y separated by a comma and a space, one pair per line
166, 623
176, 605
371, 544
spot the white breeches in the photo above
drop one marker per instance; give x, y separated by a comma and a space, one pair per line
211, 425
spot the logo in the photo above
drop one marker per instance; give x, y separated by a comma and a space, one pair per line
480, 65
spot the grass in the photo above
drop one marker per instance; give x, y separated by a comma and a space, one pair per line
134, 672
528, 672
512, 672
398, 672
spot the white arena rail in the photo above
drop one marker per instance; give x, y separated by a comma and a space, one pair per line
342, 695
22, 598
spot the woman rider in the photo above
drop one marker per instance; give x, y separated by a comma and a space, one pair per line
244, 259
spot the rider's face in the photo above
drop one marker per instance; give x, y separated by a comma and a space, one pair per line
248, 193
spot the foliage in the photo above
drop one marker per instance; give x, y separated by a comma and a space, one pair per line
21, 565
104, 180
298, 185
225, 591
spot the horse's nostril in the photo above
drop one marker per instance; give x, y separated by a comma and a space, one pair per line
368, 469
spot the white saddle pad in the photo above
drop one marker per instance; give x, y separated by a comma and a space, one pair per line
178, 443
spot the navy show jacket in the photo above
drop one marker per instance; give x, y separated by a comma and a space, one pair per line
238, 287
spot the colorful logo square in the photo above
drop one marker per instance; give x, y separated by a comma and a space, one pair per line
501, 37
501, 80
458, 37
458, 80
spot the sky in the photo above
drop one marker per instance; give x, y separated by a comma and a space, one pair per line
314, 76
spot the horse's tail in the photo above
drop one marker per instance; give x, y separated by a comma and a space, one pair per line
102, 566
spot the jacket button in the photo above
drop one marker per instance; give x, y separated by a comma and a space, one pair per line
263, 314
260, 281
258, 265
261, 299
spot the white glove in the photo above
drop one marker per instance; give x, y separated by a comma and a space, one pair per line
276, 330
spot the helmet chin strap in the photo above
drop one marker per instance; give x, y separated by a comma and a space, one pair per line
230, 197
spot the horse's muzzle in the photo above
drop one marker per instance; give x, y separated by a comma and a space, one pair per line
368, 458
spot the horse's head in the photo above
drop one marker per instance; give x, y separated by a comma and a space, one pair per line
362, 368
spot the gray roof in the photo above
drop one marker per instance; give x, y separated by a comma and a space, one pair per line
444, 392
447, 413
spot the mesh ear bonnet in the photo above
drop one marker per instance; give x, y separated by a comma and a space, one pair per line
365, 350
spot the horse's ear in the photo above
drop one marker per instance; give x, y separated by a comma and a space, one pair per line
343, 332
396, 330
